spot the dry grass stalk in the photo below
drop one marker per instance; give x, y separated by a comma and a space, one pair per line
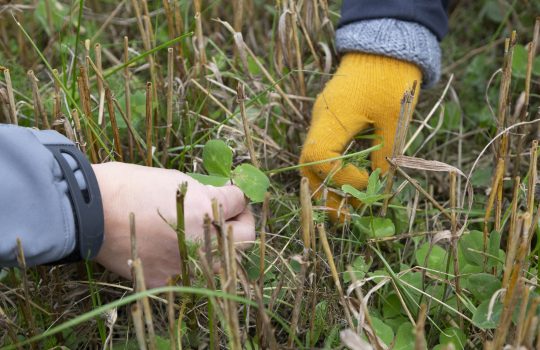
127, 94
207, 264
201, 58
138, 324
140, 24
496, 182
420, 339
420, 189
371, 334
78, 130
234, 323
238, 10
11, 97
262, 239
241, 98
101, 89
513, 286
26, 308
514, 212
170, 91
114, 126
181, 233
306, 209
405, 115
84, 92
147, 310
57, 101
531, 51
533, 177
39, 111
455, 238
520, 325
171, 316
300, 281
269, 339
149, 124
334, 271
531, 323
298, 50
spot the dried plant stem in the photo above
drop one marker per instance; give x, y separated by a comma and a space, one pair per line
11, 96
420, 339
232, 287
149, 124
421, 190
405, 115
114, 125
513, 287
241, 98
127, 94
334, 272
39, 110
170, 90
306, 209
138, 324
171, 316
201, 59
531, 51
455, 238
181, 233
268, 332
298, 50
101, 89
57, 101
495, 183
533, 177
26, 308
520, 325
262, 238
300, 281
147, 310
84, 92
371, 334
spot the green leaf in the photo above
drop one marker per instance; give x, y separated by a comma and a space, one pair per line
493, 249
471, 245
391, 306
217, 158
455, 336
383, 331
480, 317
359, 268
436, 258
374, 185
382, 227
253, 182
209, 179
364, 197
405, 338
482, 285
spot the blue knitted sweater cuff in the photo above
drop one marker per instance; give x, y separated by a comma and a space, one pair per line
403, 40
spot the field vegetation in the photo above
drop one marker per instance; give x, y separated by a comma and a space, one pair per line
443, 254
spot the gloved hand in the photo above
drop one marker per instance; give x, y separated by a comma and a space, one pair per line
150, 193
365, 91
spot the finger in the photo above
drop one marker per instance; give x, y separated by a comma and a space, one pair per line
334, 126
231, 198
243, 228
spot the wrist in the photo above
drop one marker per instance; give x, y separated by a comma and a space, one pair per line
402, 40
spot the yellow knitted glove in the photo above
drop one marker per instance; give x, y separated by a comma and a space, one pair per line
365, 91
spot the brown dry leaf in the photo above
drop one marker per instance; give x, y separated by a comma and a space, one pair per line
423, 164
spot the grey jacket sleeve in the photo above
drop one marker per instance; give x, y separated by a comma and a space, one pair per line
49, 199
